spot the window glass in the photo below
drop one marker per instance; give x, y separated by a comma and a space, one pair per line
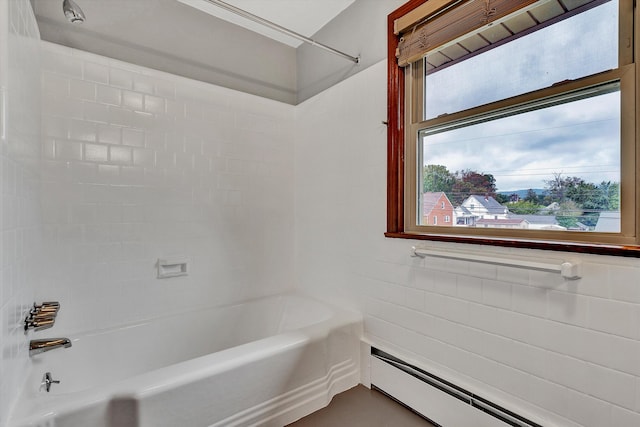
551, 168
529, 136
527, 63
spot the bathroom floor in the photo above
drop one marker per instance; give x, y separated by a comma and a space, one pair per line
361, 407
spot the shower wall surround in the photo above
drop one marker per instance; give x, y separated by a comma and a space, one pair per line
566, 352
140, 165
20, 221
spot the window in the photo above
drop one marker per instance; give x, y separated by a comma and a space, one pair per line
523, 114
447, 218
435, 220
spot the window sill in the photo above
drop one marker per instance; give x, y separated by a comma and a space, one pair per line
612, 250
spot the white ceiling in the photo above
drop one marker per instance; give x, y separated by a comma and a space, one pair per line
213, 45
304, 17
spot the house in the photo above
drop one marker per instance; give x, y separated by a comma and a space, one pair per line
476, 207
485, 207
539, 222
502, 223
464, 217
437, 209
485, 211
608, 222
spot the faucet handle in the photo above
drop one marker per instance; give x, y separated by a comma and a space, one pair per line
39, 323
45, 315
47, 381
42, 316
45, 307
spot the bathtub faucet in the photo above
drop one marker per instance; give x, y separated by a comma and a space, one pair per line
40, 346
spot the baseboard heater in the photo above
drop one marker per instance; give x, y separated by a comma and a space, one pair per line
439, 401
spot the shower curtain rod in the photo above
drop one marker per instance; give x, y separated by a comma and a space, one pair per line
241, 12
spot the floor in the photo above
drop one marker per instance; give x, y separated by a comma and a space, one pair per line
361, 407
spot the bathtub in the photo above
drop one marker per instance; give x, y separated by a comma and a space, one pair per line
265, 362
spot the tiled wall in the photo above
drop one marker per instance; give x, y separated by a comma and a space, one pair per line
565, 352
140, 165
21, 225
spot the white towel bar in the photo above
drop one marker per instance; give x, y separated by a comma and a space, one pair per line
568, 269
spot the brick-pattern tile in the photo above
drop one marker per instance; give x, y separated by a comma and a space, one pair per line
145, 165
20, 221
565, 351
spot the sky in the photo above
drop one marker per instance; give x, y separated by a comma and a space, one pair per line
581, 138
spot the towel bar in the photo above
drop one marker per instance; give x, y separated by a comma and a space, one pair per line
568, 269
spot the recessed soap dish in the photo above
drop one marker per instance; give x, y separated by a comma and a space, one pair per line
168, 268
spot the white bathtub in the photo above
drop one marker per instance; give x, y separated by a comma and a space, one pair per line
266, 362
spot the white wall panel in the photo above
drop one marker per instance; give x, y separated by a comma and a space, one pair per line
563, 351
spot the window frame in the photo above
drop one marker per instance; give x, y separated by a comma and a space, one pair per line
402, 169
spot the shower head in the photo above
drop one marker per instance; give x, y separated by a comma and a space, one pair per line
72, 11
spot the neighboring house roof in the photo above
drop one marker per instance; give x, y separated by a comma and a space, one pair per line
608, 222
430, 200
540, 222
555, 206
552, 227
536, 219
462, 211
489, 203
508, 221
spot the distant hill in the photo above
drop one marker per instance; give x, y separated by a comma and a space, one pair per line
522, 193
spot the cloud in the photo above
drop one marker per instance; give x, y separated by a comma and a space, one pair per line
580, 138
540, 59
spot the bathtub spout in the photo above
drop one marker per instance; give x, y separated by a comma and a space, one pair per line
40, 346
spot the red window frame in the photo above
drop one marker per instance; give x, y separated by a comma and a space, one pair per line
396, 169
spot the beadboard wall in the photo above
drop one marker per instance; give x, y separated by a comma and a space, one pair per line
140, 165
21, 223
562, 352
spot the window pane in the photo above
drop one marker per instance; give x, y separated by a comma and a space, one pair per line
554, 168
534, 61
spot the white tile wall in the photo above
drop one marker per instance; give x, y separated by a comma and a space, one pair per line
563, 352
20, 221
140, 165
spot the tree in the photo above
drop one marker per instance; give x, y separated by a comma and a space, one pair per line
614, 196
588, 198
585, 194
532, 197
457, 186
558, 189
569, 214
603, 197
524, 207
501, 198
437, 178
609, 195
470, 182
